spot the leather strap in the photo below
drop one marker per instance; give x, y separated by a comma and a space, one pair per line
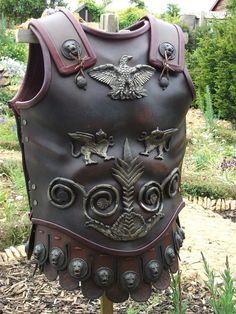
55, 30
61, 26
164, 32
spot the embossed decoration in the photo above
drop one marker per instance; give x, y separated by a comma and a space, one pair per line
61, 192
167, 49
152, 270
125, 82
130, 280
40, 252
173, 185
170, 255
56, 257
97, 144
130, 225
78, 268
102, 200
151, 196
127, 172
71, 49
178, 241
156, 140
104, 276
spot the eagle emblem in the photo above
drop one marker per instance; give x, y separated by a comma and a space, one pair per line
97, 144
125, 82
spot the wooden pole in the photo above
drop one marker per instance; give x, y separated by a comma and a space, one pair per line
106, 305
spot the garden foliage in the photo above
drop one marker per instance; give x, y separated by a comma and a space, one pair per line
212, 64
8, 46
21, 10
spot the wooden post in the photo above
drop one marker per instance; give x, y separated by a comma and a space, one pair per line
106, 305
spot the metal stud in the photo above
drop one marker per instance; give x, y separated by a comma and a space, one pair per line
71, 49
152, 270
24, 122
130, 280
104, 277
26, 139
35, 202
167, 49
170, 255
39, 252
33, 186
78, 268
57, 257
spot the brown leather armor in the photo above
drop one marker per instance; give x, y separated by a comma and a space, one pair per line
101, 120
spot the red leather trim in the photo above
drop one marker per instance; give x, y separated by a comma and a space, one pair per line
137, 29
181, 47
178, 63
16, 102
190, 83
91, 58
64, 69
101, 248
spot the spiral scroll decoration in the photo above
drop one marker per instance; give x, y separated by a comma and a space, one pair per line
173, 184
61, 192
102, 200
151, 196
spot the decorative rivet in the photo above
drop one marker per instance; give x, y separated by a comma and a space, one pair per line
35, 202
78, 268
104, 277
170, 255
167, 50
33, 186
39, 252
152, 270
71, 49
57, 257
26, 139
130, 280
24, 122
57, 238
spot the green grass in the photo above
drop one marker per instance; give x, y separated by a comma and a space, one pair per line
8, 139
15, 224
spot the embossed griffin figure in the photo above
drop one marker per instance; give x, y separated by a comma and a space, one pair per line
125, 82
92, 144
157, 139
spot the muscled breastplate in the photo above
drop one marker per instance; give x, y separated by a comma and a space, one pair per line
101, 120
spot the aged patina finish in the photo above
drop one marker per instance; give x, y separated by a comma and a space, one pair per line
101, 122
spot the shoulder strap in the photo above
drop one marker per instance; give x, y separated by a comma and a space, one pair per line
58, 28
162, 32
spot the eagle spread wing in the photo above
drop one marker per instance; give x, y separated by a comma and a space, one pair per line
141, 74
107, 74
84, 138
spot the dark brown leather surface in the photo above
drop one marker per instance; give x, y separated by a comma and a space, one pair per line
65, 109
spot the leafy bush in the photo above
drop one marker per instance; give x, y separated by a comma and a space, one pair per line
21, 10
213, 64
8, 46
96, 10
204, 185
130, 16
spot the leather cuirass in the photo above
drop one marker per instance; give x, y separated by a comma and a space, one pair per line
101, 122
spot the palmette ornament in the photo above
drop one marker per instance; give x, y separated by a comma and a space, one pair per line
101, 122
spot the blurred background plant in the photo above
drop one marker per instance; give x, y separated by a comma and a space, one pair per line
222, 294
